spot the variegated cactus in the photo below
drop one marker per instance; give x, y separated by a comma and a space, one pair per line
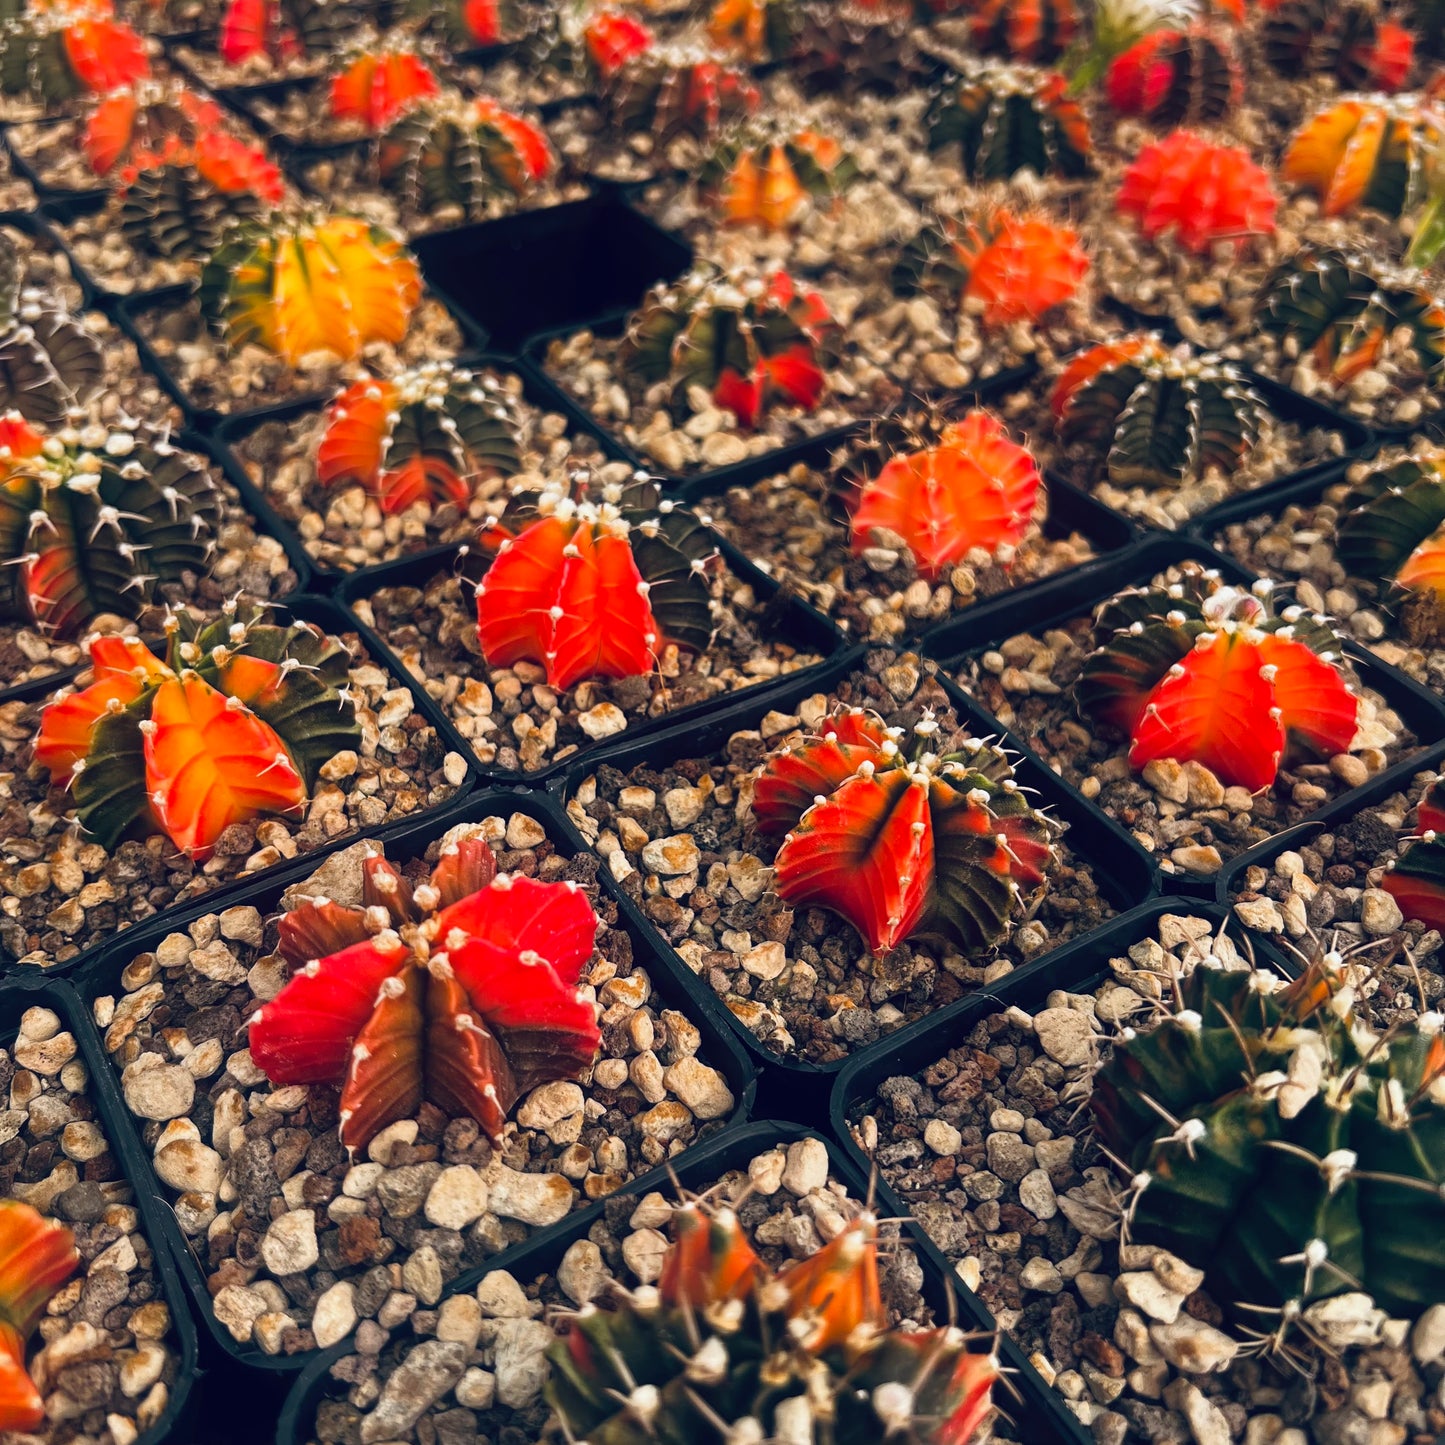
37, 1256
53, 57
1177, 77
1352, 39
771, 175
380, 82
1362, 152
280, 29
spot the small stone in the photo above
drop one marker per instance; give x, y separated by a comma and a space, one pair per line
164, 1091
237, 1309
1260, 914
582, 1275
1065, 1035
456, 1198
476, 1389
141, 1369
765, 961
1193, 1346
603, 721
1175, 1274
642, 1252
290, 1243
1427, 1339
1197, 858
765, 1172
806, 1168
1145, 1291
1042, 1276
502, 1298
187, 1164
942, 1137
429, 1370
520, 1361
701, 1088
669, 857
459, 1320
1167, 777
549, 1104
334, 1316
1379, 913
1206, 1421
535, 1199
1036, 1194
421, 1275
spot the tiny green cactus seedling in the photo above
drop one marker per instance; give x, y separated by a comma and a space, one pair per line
94, 519
1198, 671
927, 834
723, 1350
1273, 1140
237, 721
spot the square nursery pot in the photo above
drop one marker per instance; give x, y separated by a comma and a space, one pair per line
164, 321
77, 1203
118, 914
25, 152
104, 978
779, 620
231, 435
1072, 603
1079, 968
579, 264
1034, 1413
792, 1084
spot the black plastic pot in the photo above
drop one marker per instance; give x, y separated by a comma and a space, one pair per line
34, 225
1034, 1413
1062, 600
1077, 968
795, 1087
579, 264
784, 616
22, 165
102, 973
47, 992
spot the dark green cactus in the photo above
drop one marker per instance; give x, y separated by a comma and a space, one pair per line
1006, 118
1277, 1144
174, 211
1344, 309
93, 520
678, 90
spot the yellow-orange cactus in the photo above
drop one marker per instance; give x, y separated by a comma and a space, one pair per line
1362, 151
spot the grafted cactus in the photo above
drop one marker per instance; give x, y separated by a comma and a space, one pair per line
380, 83
428, 434
1039, 31
37, 1256
1362, 152
56, 56
903, 835
833, 44
1416, 879
281, 29
467, 24
1199, 671
769, 175
751, 344
722, 1350
1276, 1142
452, 151
593, 580
675, 90
460, 992
142, 120
1006, 118
1344, 309
1157, 417
236, 722
1174, 77
93, 519
298, 286
1119, 25
1350, 39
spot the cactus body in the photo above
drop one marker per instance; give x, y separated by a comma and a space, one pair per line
460, 992
1176, 77
379, 85
1361, 152
469, 24
1039, 31
37, 1256
593, 581
53, 59
770, 179
280, 29
1347, 38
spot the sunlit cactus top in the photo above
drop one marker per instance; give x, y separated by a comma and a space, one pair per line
281, 29
723, 1349
1276, 1142
298, 287
903, 833
37, 1256
129, 127
430, 433
771, 174
460, 991
751, 343
593, 579
61, 54
237, 721
972, 490
94, 519
380, 83
1200, 671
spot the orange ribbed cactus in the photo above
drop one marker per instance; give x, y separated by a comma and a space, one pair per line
1200, 192
975, 489
37, 1256
1361, 152
378, 86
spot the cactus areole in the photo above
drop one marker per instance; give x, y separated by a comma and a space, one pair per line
722, 1351
460, 991
37, 1256
1278, 1144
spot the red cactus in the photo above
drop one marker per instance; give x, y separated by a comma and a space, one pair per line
1387, 62
900, 844
376, 88
1020, 268
976, 488
460, 992
1203, 193
1176, 75
105, 54
37, 1256
613, 39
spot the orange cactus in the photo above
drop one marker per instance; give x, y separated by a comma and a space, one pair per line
975, 489
771, 182
1359, 153
377, 88
37, 1256
1201, 192
1019, 268
105, 54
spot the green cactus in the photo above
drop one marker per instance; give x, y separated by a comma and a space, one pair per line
1277, 1143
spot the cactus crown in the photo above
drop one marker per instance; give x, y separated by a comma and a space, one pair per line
677, 89
58, 56
460, 991
1005, 267
1277, 1143
128, 127
279, 29
430, 433
1363, 151
594, 579
1006, 118
723, 1349
1196, 670
49, 363
1161, 418
297, 286
380, 81
769, 173
37, 1256
93, 519
1347, 38
750, 343
1176, 77
1199, 192
467, 24
903, 834
452, 151
237, 721
1345, 309
974, 490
